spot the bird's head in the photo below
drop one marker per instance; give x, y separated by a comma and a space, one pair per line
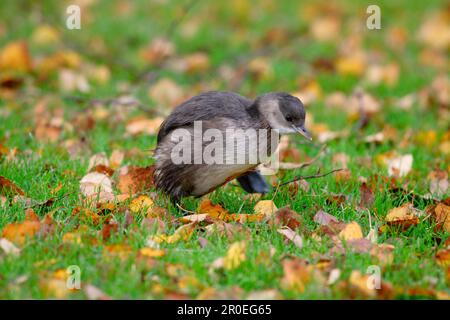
283, 112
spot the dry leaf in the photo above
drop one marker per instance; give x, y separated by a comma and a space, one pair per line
442, 216
323, 218
286, 217
183, 233
94, 293
8, 247
19, 232
297, 274
265, 207
132, 180
351, 231
359, 283
141, 125
95, 183
292, 236
141, 203
9, 188
151, 253
404, 216
15, 57
400, 166
235, 255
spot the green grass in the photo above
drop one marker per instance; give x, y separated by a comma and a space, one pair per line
226, 35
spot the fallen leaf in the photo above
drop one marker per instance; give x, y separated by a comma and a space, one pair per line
132, 180
297, 274
166, 93
400, 166
94, 293
285, 217
235, 255
15, 57
292, 236
442, 216
323, 218
95, 183
19, 232
9, 188
151, 253
359, 285
229, 230
265, 207
141, 203
8, 247
183, 233
267, 294
351, 231
141, 125
367, 196
404, 216
122, 251
98, 159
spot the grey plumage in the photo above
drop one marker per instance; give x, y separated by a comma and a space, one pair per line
218, 110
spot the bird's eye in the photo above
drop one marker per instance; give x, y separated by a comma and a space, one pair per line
288, 118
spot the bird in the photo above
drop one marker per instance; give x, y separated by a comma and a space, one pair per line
219, 113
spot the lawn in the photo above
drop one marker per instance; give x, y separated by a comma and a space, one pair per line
91, 99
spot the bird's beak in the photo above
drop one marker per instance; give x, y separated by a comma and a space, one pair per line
302, 130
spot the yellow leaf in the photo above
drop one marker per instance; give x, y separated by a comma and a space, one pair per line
235, 255
45, 34
360, 283
265, 207
151, 253
19, 232
353, 65
140, 203
351, 231
183, 233
15, 57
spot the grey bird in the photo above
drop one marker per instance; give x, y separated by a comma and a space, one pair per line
222, 111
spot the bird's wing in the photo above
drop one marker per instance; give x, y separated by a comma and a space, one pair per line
205, 106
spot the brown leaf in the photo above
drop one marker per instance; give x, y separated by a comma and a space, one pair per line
286, 217
367, 197
135, 179
9, 188
404, 216
297, 274
108, 229
442, 215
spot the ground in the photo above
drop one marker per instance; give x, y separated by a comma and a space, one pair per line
375, 99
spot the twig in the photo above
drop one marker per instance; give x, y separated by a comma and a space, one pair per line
310, 177
185, 210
